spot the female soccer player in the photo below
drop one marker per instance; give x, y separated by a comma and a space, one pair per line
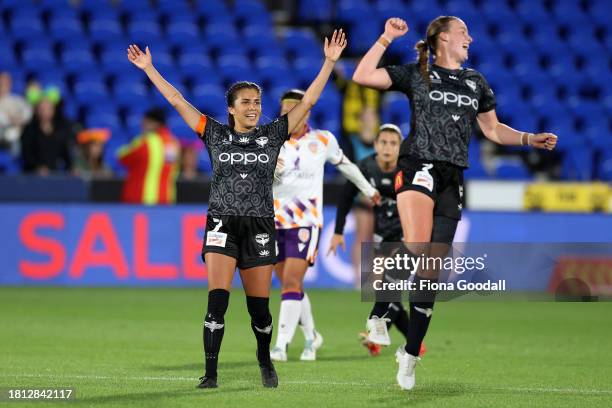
240, 223
445, 101
298, 207
380, 169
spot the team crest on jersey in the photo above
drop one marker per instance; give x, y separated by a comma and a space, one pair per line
385, 182
314, 147
261, 141
471, 84
303, 234
262, 239
243, 140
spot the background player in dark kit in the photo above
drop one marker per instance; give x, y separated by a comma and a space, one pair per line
380, 169
240, 223
445, 101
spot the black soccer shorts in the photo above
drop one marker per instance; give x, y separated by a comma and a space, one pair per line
249, 240
441, 181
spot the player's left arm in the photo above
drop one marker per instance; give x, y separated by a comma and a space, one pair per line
503, 134
333, 49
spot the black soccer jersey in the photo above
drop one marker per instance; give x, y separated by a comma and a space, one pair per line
243, 167
443, 113
386, 218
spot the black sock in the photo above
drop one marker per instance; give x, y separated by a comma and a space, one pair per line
214, 327
379, 309
421, 309
261, 323
401, 319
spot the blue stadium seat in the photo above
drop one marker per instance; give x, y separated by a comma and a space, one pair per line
221, 36
78, 60
182, 33
104, 117
270, 69
197, 66
33, 57
135, 6
26, 26
105, 29
259, 38
316, 10
213, 10
301, 42
577, 164
62, 28
172, 8
129, 94
531, 11
95, 7
144, 32
115, 62
511, 169
355, 11
306, 69
90, 93
234, 68
210, 99
246, 10
604, 169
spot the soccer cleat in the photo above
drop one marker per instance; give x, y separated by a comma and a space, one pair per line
207, 382
310, 352
377, 331
423, 350
318, 340
405, 372
278, 354
373, 349
269, 379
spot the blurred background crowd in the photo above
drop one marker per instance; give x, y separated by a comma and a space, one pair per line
71, 103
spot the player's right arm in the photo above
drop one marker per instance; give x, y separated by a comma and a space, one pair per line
367, 73
144, 61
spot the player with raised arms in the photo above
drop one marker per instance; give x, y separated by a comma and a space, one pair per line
446, 100
240, 223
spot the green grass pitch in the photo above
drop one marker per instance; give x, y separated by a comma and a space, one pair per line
142, 347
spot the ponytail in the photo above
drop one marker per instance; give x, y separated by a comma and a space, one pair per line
423, 59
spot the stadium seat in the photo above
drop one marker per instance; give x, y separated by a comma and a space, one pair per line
26, 26
210, 98
129, 94
316, 10
105, 29
511, 169
90, 93
604, 169
144, 32
63, 28
577, 164
78, 60
182, 33
34, 57
171, 8
301, 42
306, 69
197, 66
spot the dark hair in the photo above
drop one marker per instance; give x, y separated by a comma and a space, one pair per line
296, 94
423, 47
232, 94
389, 127
157, 115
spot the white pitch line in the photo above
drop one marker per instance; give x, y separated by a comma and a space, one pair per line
304, 382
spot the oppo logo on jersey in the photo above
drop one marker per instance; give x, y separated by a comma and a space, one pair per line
453, 99
243, 158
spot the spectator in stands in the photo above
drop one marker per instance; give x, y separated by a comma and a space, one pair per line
89, 160
46, 142
152, 161
190, 150
15, 112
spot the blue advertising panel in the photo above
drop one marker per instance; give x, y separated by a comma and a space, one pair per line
108, 245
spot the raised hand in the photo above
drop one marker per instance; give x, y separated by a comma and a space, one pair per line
394, 28
546, 141
333, 48
141, 59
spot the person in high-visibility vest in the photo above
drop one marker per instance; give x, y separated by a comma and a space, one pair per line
152, 163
